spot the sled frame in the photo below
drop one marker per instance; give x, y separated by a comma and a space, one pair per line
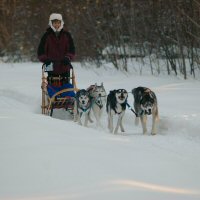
56, 101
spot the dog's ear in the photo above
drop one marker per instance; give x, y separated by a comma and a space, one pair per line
85, 92
152, 95
147, 90
112, 93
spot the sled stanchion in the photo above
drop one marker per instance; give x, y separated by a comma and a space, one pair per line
51, 112
74, 80
44, 82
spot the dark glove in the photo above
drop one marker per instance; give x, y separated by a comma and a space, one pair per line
48, 65
66, 61
48, 62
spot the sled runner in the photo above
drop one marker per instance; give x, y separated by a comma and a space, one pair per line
57, 92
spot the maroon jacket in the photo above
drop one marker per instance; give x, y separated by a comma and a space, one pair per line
55, 48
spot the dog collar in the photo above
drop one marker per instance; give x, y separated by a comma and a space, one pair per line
86, 108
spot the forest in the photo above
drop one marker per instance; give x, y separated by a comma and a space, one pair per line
108, 30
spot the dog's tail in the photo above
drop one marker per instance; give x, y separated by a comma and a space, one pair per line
75, 111
133, 90
135, 93
107, 104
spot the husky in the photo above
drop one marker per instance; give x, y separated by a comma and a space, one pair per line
116, 105
145, 103
82, 106
98, 96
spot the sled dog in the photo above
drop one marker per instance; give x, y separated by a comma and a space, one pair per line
145, 103
98, 96
116, 105
82, 106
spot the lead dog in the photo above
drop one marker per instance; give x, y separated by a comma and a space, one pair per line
116, 105
145, 103
82, 106
98, 96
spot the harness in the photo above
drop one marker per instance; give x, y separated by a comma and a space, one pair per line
130, 108
98, 101
117, 112
123, 106
142, 112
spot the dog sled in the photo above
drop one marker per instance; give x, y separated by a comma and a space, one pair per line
58, 92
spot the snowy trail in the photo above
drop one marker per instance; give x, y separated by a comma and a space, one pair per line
54, 158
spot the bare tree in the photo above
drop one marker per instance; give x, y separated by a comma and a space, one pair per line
113, 30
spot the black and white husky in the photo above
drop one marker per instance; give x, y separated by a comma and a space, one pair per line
98, 96
82, 106
116, 105
145, 103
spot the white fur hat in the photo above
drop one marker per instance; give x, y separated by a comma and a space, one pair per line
57, 16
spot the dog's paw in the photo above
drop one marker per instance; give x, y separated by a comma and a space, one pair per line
153, 131
137, 119
80, 123
144, 132
110, 130
75, 119
86, 124
122, 130
91, 121
116, 131
98, 124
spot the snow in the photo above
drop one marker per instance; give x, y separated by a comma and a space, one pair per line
44, 158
